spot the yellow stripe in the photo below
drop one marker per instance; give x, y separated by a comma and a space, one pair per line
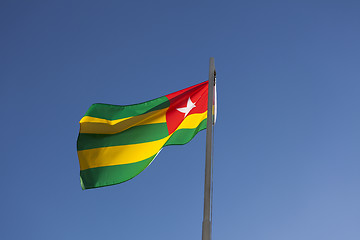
192, 121
103, 126
109, 156
89, 119
117, 155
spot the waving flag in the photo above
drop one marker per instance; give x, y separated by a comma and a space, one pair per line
117, 142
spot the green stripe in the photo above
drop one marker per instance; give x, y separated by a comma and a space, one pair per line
113, 112
183, 136
105, 176
137, 134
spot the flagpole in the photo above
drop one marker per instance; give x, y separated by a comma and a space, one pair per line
206, 227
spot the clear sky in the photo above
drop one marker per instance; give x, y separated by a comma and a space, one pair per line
287, 140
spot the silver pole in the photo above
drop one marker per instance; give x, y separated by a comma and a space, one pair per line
206, 228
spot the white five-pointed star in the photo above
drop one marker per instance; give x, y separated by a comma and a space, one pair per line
190, 105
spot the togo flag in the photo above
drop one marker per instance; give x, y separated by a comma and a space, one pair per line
117, 142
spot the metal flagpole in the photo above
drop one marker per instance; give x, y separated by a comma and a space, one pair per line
206, 228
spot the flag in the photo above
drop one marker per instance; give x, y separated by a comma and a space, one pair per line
117, 142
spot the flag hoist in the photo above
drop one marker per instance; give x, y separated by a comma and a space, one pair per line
117, 142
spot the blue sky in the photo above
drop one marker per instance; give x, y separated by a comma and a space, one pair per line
287, 156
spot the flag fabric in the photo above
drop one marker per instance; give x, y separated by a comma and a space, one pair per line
117, 142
